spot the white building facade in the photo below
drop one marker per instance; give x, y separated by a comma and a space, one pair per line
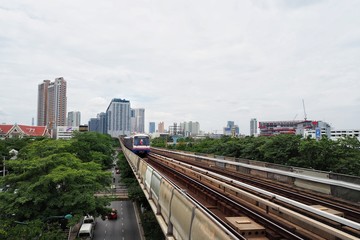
190, 128
118, 117
65, 132
253, 127
74, 118
138, 120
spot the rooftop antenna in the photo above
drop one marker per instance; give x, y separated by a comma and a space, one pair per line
304, 110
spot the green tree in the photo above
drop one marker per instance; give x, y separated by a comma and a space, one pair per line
280, 149
43, 148
52, 186
92, 146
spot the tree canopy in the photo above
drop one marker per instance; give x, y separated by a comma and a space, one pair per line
54, 178
341, 156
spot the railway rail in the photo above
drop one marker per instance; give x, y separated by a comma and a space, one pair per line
347, 209
280, 216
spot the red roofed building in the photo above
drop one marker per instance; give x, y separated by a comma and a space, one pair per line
19, 131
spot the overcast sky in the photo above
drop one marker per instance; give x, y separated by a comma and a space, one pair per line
209, 61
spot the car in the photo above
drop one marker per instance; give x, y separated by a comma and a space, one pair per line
112, 215
86, 231
117, 171
89, 219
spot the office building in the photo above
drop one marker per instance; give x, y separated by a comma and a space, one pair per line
98, 124
74, 119
190, 128
65, 132
231, 129
52, 103
161, 127
298, 127
93, 125
151, 127
253, 127
118, 117
138, 120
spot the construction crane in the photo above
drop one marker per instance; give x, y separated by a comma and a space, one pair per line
305, 117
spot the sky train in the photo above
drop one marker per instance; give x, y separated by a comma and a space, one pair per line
138, 143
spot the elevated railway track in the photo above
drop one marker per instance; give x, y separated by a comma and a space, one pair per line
348, 209
283, 216
193, 198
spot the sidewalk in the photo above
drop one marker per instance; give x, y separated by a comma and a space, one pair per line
74, 231
138, 219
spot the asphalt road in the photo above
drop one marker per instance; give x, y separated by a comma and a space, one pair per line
124, 228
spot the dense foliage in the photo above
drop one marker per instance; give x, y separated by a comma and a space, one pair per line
341, 156
50, 179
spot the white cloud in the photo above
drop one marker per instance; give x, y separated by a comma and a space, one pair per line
205, 61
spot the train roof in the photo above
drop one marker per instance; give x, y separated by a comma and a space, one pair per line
140, 135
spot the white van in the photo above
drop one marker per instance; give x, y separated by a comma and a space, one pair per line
86, 231
89, 219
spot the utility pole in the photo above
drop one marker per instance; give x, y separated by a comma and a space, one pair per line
4, 167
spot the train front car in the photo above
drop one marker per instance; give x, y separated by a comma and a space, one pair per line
141, 144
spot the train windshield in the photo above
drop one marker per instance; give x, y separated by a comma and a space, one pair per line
139, 141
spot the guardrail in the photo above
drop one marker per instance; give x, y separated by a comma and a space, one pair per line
179, 217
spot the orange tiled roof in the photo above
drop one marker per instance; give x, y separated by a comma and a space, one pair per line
34, 131
5, 128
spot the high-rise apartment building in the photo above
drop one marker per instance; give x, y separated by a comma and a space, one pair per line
138, 120
52, 103
151, 127
74, 119
253, 127
161, 127
42, 109
118, 117
190, 128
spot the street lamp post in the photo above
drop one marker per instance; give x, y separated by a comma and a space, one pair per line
4, 167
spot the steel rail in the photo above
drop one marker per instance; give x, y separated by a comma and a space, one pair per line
329, 216
274, 226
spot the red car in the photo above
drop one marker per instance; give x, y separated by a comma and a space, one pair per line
112, 214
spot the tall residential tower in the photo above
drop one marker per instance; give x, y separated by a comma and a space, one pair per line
52, 103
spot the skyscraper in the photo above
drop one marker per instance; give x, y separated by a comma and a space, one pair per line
42, 109
161, 127
151, 127
57, 103
118, 117
74, 119
190, 128
138, 120
52, 103
253, 127
98, 124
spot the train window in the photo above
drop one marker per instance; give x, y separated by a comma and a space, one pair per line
141, 141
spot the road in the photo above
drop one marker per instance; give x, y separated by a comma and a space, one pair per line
124, 228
